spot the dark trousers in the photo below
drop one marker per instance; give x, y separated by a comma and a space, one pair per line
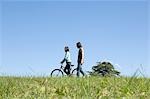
67, 68
79, 69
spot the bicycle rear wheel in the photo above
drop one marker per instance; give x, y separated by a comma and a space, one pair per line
74, 73
57, 73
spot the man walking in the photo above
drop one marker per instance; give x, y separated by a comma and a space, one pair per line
80, 59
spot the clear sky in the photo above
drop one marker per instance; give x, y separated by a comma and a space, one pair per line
34, 33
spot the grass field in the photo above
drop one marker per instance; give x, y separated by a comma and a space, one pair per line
74, 88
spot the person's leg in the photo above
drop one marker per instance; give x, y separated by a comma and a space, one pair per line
68, 67
81, 70
66, 70
78, 70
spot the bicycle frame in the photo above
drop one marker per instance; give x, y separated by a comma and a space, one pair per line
62, 68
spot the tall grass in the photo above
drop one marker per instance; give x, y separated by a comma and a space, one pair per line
74, 88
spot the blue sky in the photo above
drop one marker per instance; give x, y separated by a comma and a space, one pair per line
34, 35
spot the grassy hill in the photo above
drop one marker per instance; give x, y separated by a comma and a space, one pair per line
74, 88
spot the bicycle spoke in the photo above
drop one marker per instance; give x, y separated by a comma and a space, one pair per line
58, 73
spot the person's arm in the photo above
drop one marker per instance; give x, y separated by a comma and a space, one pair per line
64, 58
82, 58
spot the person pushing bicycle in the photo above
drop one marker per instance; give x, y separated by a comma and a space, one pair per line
67, 59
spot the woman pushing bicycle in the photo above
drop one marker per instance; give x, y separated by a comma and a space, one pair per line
67, 59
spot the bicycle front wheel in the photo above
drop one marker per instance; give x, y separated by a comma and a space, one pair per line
57, 73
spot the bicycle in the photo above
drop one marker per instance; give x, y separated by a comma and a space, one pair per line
60, 72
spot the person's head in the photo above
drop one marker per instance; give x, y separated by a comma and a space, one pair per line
66, 48
78, 45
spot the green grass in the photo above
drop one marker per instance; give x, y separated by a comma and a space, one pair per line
74, 88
